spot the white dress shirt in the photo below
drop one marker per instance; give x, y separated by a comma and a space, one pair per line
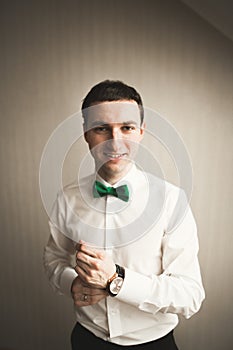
153, 236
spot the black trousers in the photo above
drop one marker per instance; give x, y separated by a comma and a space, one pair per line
81, 338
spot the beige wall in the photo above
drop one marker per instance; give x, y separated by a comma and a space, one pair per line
52, 52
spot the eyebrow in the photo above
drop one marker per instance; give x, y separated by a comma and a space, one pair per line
103, 123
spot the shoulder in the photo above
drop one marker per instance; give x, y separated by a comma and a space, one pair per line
172, 198
75, 190
161, 185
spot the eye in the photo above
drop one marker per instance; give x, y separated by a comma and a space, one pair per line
101, 129
129, 128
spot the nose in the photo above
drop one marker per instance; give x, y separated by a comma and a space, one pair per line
115, 139
115, 133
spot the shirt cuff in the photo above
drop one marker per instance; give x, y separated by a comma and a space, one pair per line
135, 288
67, 277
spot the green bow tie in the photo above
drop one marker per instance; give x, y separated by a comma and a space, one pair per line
100, 190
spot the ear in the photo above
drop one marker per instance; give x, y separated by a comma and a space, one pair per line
85, 132
86, 136
142, 129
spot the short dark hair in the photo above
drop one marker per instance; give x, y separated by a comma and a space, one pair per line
112, 90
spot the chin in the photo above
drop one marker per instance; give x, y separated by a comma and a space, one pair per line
117, 169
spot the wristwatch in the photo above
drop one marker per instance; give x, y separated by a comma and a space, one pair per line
115, 282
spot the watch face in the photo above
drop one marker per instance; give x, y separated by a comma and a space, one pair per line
116, 285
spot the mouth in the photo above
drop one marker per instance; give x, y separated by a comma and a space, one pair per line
115, 156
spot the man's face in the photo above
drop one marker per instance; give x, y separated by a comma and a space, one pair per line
113, 132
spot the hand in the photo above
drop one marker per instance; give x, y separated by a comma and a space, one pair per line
94, 266
84, 295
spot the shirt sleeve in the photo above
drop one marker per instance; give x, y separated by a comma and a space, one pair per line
178, 289
58, 257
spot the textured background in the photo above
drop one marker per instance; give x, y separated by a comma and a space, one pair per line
52, 52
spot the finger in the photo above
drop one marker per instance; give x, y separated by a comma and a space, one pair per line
89, 260
78, 245
90, 250
77, 297
81, 271
85, 299
85, 255
89, 294
94, 292
85, 274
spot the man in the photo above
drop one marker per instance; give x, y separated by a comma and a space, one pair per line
119, 244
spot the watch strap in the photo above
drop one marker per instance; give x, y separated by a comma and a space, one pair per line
120, 271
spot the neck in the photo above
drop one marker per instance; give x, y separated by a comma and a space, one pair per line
113, 178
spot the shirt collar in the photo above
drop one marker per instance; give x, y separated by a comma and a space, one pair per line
133, 179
